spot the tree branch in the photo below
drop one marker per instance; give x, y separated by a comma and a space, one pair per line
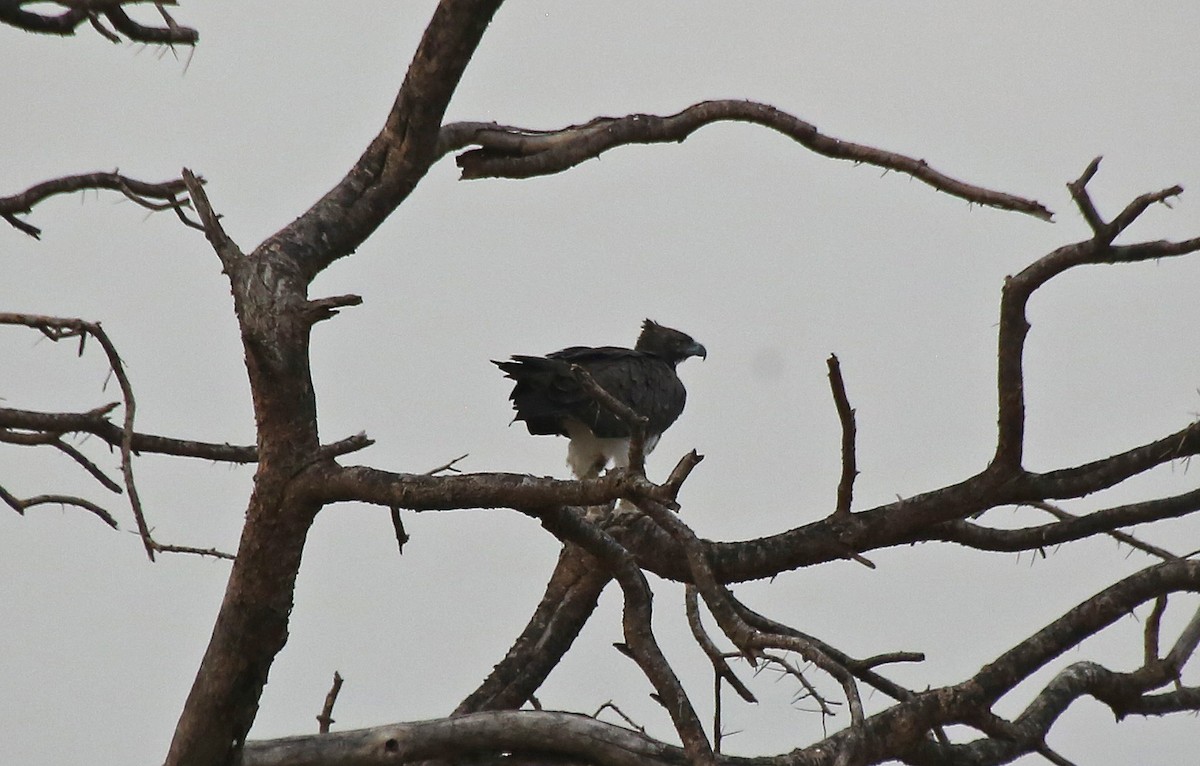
1086, 619
325, 717
1067, 529
227, 251
910, 519
330, 483
19, 505
510, 152
77, 11
720, 667
454, 739
54, 424
845, 491
139, 192
569, 524
397, 158
570, 598
54, 440
1014, 326
750, 641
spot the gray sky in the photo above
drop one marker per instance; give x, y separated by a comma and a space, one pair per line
769, 255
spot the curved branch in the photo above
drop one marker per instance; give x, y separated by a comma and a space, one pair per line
78, 11
55, 440
748, 639
398, 158
571, 596
275, 316
19, 505
510, 152
1014, 326
1107, 472
1074, 528
901, 729
1086, 619
908, 519
570, 524
57, 328
139, 192
1029, 730
897, 732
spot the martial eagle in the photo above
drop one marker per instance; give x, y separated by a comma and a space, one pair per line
550, 399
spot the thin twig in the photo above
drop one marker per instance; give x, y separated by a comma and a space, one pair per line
825, 706
611, 706
449, 466
1151, 633
193, 551
325, 717
141, 192
1124, 537
55, 440
129, 409
398, 529
720, 667
845, 413
20, 505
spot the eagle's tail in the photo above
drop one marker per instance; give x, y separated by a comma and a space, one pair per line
545, 391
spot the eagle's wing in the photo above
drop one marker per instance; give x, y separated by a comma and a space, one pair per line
648, 385
547, 396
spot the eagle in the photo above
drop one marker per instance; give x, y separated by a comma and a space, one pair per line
549, 398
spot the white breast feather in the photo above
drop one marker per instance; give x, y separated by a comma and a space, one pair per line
587, 453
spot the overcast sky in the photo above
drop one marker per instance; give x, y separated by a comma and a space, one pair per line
769, 255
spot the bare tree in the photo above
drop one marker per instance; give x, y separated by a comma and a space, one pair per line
297, 476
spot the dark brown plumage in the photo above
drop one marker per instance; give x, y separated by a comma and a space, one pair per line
549, 399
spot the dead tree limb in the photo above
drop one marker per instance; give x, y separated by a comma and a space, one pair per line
152, 196
1068, 528
21, 505
270, 293
510, 152
571, 596
51, 425
845, 491
325, 717
13, 13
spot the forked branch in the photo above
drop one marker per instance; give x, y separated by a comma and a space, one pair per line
1014, 326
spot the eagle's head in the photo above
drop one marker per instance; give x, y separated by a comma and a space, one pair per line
670, 345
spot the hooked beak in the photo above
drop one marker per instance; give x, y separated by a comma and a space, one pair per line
697, 350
